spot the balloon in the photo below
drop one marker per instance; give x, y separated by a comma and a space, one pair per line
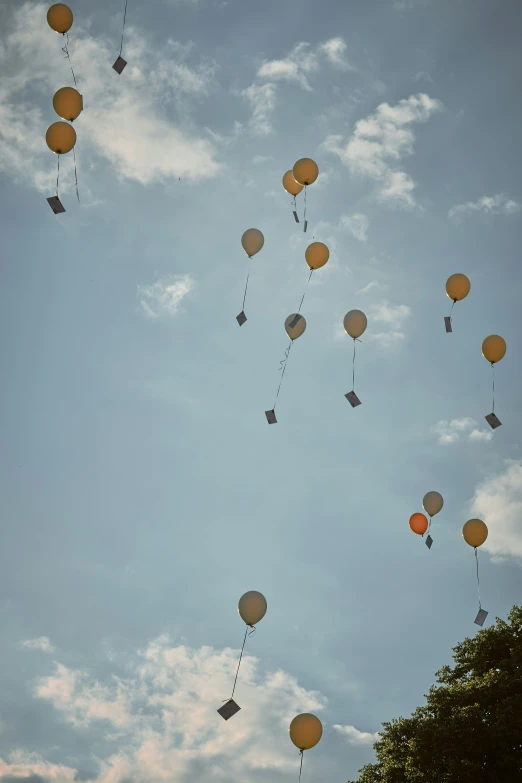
305, 731
60, 137
494, 348
60, 18
432, 503
317, 254
252, 607
457, 287
67, 103
252, 241
305, 171
298, 329
419, 524
475, 532
290, 185
355, 323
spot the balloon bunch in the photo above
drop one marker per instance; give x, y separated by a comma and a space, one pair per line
304, 173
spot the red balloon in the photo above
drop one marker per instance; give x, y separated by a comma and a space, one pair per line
419, 523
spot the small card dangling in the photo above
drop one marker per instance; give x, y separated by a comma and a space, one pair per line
229, 709
296, 216
481, 616
429, 542
119, 64
241, 318
353, 399
305, 226
447, 323
493, 421
295, 320
56, 205
271, 417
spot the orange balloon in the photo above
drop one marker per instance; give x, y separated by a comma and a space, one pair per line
419, 523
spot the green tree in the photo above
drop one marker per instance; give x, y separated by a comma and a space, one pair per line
470, 730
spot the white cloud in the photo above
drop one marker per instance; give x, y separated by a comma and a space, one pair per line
424, 76
450, 431
262, 99
357, 224
487, 205
368, 287
42, 643
394, 317
335, 50
164, 297
23, 764
257, 160
498, 501
356, 737
380, 140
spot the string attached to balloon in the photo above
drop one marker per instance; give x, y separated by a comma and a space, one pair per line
493, 350
65, 50
252, 242
120, 63
305, 172
474, 533
355, 323
295, 326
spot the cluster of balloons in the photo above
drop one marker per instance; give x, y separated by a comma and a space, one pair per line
303, 174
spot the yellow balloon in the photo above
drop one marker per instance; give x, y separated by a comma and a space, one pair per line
290, 185
494, 348
67, 103
305, 171
252, 241
432, 503
475, 532
317, 254
305, 731
60, 137
60, 17
457, 287
355, 323
252, 607
297, 330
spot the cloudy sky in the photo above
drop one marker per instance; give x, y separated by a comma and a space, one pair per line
142, 489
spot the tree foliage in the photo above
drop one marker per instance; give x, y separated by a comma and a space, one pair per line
470, 730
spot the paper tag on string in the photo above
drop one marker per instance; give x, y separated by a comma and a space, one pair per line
296, 216
447, 323
295, 320
241, 318
229, 709
493, 421
353, 399
119, 65
429, 542
481, 616
56, 205
271, 417
305, 226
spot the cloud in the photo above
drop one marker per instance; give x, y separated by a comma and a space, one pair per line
498, 501
380, 141
450, 431
357, 224
42, 643
368, 287
262, 99
424, 76
26, 767
487, 205
335, 50
164, 297
356, 737
394, 317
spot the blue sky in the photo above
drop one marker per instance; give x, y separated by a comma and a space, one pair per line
143, 490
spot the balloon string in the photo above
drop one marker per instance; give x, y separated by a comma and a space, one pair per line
304, 292
452, 306
65, 50
76, 176
304, 215
58, 177
246, 285
282, 368
240, 657
301, 752
123, 28
429, 525
493, 373
355, 339
478, 580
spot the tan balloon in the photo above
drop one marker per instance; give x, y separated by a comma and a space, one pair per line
475, 532
290, 185
317, 254
252, 241
60, 137
457, 287
60, 18
67, 103
252, 607
305, 171
355, 323
432, 503
298, 329
494, 348
305, 731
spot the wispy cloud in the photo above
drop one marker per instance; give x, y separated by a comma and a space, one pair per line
368, 287
423, 76
381, 140
357, 224
487, 205
498, 501
42, 643
356, 737
394, 318
262, 99
165, 296
452, 430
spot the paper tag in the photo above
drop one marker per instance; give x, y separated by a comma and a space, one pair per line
229, 709
56, 205
447, 323
305, 226
493, 421
353, 399
271, 417
81, 97
429, 542
295, 320
241, 318
119, 65
481, 616
296, 217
